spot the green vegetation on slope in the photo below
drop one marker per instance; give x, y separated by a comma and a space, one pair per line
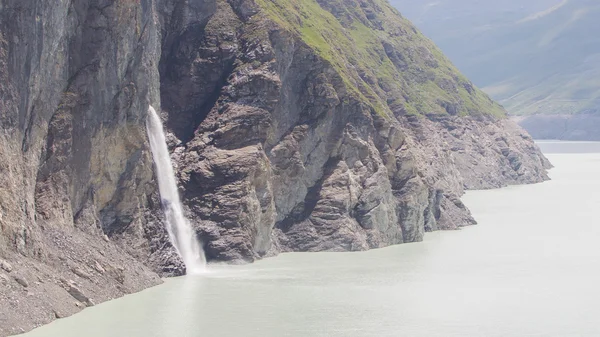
381, 56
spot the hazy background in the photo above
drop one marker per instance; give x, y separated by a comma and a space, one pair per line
534, 56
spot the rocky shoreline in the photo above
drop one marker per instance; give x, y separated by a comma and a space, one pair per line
474, 155
34, 292
283, 139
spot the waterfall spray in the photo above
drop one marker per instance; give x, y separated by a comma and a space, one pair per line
180, 231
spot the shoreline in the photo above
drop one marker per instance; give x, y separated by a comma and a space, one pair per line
166, 279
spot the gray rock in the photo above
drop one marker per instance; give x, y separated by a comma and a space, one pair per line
81, 273
74, 291
4, 280
5, 266
21, 280
98, 267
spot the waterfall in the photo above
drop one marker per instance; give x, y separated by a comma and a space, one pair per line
180, 231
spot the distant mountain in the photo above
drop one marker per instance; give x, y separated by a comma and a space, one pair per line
534, 57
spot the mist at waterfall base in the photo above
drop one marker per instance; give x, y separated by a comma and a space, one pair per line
530, 268
182, 235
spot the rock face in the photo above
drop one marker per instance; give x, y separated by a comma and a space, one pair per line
75, 81
296, 150
294, 125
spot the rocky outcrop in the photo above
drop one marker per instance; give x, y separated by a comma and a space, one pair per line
289, 157
576, 127
283, 138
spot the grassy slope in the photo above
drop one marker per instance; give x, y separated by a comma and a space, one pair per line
409, 76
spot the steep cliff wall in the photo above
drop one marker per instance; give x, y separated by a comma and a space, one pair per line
294, 126
76, 80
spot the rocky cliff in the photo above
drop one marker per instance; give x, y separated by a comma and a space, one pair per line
294, 126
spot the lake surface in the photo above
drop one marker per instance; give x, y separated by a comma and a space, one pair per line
530, 268
556, 146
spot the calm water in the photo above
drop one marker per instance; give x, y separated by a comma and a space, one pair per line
554, 146
529, 269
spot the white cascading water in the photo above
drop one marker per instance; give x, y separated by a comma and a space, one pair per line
180, 231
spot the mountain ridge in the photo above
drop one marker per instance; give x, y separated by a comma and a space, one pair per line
539, 58
516, 47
